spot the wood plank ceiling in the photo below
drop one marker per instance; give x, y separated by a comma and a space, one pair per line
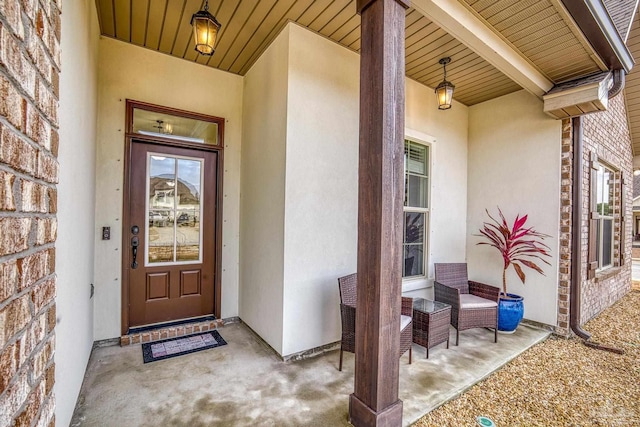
632, 87
248, 26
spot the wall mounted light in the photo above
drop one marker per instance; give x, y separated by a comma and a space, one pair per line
444, 91
205, 30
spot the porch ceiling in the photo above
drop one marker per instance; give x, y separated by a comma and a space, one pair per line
539, 29
632, 87
544, 33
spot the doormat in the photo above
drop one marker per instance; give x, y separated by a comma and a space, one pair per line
173, 347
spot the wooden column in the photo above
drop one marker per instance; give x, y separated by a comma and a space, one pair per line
380, 198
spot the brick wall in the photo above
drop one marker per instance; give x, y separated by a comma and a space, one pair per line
566, 205
29, 78
607, 135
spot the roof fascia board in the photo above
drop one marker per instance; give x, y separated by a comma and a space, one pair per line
465, 26
576, 31
596, 24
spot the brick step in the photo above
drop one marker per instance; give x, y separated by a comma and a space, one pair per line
163, 333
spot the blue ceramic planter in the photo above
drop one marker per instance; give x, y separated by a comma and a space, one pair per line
510, 312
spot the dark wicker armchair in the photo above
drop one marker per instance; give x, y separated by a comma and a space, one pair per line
348, 297
473, 304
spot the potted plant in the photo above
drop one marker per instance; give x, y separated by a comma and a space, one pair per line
519, 246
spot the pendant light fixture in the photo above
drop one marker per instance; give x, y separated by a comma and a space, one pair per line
444, 91
205, 30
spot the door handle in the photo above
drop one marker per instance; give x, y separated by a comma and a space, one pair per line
134, 248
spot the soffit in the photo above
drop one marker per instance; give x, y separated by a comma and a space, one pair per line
543, 32
249, 26
632, 87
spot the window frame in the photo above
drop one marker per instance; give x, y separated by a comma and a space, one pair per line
596, 228
419, 281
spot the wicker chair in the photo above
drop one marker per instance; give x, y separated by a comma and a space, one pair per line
473, 304
348, 297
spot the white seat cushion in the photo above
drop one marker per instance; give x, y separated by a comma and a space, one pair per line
473, 301
404, 321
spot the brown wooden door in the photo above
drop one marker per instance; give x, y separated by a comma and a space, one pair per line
172, 201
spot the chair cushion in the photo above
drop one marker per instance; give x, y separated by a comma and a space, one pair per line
404, 321
473, 301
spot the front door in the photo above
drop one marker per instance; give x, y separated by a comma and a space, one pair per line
172, 232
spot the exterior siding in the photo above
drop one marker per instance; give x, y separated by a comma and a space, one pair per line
29, 78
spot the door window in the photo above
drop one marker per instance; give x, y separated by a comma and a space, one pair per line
174, 209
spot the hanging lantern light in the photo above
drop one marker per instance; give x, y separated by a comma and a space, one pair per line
205, 30
444, 91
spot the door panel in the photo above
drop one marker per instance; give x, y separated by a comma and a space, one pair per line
172, 202
190, 282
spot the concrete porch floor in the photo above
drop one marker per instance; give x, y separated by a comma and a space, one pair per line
246, 383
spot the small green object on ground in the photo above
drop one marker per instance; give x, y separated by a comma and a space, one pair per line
485, 422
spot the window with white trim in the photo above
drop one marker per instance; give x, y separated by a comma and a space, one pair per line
416, 209
605, 205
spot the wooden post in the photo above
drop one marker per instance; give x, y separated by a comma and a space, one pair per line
380, 219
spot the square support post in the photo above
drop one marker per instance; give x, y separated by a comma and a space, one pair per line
380, 214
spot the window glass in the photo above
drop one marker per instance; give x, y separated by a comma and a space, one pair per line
161, 182
416, 175
174, 189
147, 122
414, 244
188, 210
607, 242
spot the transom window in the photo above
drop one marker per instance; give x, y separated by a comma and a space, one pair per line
416, 208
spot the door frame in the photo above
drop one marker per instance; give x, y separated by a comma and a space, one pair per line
130, 136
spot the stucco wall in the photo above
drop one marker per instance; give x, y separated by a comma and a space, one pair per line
263, 198
321, 207
76, 198
449, 131
514, 163
128, 71
319, 238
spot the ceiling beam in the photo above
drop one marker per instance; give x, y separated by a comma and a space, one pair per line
469, 29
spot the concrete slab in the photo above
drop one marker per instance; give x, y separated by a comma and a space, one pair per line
245, 383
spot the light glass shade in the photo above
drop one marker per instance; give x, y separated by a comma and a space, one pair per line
205, 31
444, 93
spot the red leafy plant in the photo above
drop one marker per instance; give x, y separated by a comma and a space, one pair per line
518, 245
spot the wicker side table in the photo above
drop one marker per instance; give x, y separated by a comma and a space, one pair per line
431, 321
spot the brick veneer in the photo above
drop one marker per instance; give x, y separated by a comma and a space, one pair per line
566, 188
607, 135
173, 331
29, 85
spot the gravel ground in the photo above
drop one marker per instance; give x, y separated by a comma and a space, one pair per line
562, 382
